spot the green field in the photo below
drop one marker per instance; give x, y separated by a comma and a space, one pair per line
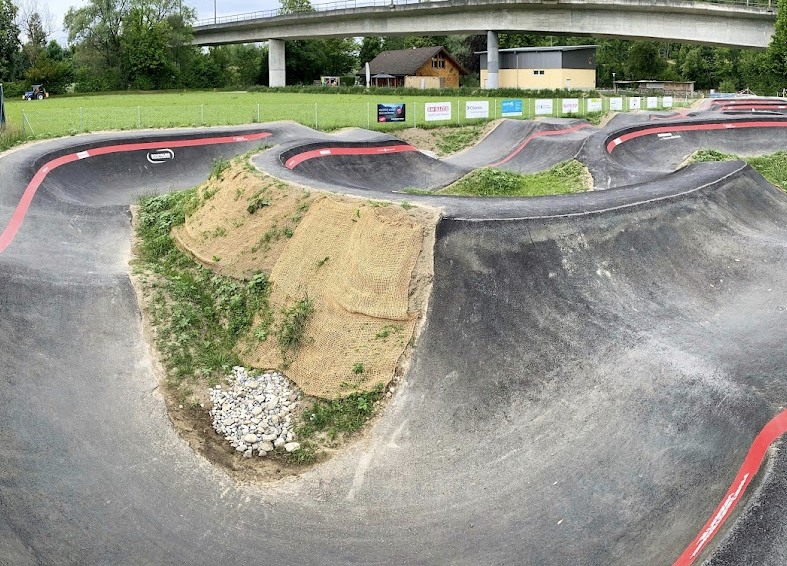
64, 115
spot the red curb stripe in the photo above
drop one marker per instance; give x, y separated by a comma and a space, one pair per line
27, 197
537, 135
296, 160
691, 127
772, 431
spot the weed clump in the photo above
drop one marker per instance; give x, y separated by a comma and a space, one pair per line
293, 327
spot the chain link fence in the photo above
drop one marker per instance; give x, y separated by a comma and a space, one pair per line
50, 122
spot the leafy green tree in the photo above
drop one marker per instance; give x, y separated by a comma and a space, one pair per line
644, 61
9, 39
97, 27
55, 75
371, 47
295, 6
144, 56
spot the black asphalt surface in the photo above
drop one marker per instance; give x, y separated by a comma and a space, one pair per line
592, 373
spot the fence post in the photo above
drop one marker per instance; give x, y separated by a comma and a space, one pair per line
415, 114
139, 117
81, 119
258, 112
494, 106
368, 111
24, 134
202, 114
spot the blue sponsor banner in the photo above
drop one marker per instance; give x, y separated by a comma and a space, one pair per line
512, 107
722, 95
390, 112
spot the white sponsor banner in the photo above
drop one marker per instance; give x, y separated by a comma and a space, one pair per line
478, 109
667, 102
570, 106
435, 111
634, 103
544, 106
616, 103
653, 102
594, 105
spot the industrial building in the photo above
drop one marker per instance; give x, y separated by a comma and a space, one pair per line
555, 67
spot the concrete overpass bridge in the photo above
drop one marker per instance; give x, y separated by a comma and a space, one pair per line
731, 23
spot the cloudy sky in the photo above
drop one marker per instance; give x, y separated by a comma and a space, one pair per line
58, 9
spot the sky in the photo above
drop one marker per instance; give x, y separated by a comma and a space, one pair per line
58, 9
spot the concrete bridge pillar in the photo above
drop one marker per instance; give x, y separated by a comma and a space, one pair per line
277, 74
492, 60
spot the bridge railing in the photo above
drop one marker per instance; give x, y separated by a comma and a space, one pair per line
353, 4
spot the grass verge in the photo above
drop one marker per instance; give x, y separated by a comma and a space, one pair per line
328, 423
198, 315
773, 166
566, 177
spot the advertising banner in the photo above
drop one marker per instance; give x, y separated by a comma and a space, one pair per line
435, 111
634, 103
653, 102
478, 109
667, 102
512, 107
391, 112
2, 107
543, 107
594, 105
570, 106
616, 104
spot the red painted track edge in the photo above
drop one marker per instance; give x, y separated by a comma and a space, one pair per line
693, 127
775, 428
18, 216
296, 160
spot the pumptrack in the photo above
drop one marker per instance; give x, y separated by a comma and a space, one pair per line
600, 380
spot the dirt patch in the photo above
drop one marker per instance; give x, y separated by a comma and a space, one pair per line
432, 140
225, 236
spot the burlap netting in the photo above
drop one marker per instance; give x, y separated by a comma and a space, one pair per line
355, 262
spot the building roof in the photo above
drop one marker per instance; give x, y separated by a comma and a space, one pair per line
545, 48
407, 61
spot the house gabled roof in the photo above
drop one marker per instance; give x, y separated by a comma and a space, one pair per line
407, 61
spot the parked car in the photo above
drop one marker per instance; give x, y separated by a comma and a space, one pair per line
37, 92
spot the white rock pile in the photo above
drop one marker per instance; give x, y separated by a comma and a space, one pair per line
255, 412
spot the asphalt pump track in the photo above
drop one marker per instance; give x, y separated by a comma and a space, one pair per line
600, 380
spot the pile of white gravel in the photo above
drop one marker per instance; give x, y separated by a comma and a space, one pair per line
255, 412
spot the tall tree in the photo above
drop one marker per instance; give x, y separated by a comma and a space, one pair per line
98, 26
9, 39
371, 47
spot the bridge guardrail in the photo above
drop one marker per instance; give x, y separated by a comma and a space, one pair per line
353, 4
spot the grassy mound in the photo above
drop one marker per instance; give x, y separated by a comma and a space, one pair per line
566, 177
773, 167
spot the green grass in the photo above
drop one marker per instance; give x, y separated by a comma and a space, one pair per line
71, 114
459, 139
199, 316
331, 421
565, 177
773, 167
10, 136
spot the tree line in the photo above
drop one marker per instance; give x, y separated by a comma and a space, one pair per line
146, 45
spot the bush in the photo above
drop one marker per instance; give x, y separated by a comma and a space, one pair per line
14, 89
434, 92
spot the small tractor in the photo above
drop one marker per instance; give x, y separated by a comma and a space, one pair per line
37, 92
